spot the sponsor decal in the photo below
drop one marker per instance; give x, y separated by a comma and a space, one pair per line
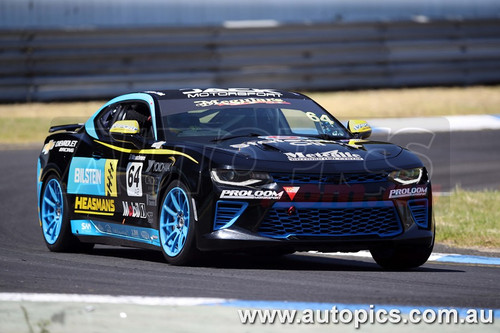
154, 166
91, 176
110, 175
133, 177
159, 93
158, 144
360, 126
236, 92
151, 199
292, 140
125, 126
48, 147
65, 146
291, 191
251, 194
134, 209
96, 206
238, 102
332, 155
134, 157
408, 192
150, 180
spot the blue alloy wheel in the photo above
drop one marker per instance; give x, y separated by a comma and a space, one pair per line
52, 211
175, 221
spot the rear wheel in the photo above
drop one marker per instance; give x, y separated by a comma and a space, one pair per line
176, 227
56, 227
403, 257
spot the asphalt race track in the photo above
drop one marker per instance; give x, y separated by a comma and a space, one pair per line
26, 265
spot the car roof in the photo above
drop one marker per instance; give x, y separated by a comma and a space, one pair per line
210, 93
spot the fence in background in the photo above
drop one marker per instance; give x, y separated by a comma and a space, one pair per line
89, 64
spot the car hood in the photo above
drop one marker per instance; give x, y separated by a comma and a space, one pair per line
304, 149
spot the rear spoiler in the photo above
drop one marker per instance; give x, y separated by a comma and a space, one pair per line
69, 127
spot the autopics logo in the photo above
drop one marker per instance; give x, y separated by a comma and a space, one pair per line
251, 194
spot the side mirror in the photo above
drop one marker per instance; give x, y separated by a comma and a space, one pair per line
359, 128
126, 131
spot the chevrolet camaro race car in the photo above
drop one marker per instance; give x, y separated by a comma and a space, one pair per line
251, 170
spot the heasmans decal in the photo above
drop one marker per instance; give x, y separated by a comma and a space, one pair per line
94, 206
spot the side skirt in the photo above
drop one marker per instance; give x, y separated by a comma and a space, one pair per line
102, 232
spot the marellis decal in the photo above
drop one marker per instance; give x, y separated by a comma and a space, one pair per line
239, 102
292, 140
408, 192
332, 155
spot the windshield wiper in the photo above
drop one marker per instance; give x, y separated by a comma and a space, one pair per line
225, 138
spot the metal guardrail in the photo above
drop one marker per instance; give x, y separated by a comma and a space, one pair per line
80, 64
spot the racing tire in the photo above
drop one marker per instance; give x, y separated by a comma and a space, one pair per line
176, 225
402, 257
55, 224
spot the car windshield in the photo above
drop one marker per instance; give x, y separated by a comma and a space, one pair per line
225, 119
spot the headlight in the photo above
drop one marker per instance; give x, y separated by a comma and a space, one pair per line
240, 178
407, 177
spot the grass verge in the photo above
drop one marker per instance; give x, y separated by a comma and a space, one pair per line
468, 219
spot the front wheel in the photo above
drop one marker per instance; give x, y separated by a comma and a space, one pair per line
176, 225
54, 220
401, 257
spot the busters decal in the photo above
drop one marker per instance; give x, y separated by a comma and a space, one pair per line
236, 102
91, 176
95, 206
134, 176
251, 194
134, 209
236, 92
332, 155
137, 157
408, 192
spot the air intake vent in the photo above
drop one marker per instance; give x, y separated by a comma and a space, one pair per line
341, 219
341, 178
419, 211
227, 212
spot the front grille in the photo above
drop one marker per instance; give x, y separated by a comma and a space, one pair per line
419, 211
340, 178
340, 219
227, 212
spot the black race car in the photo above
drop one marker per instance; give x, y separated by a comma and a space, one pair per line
186, 171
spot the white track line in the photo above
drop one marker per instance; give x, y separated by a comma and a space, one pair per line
108, 299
